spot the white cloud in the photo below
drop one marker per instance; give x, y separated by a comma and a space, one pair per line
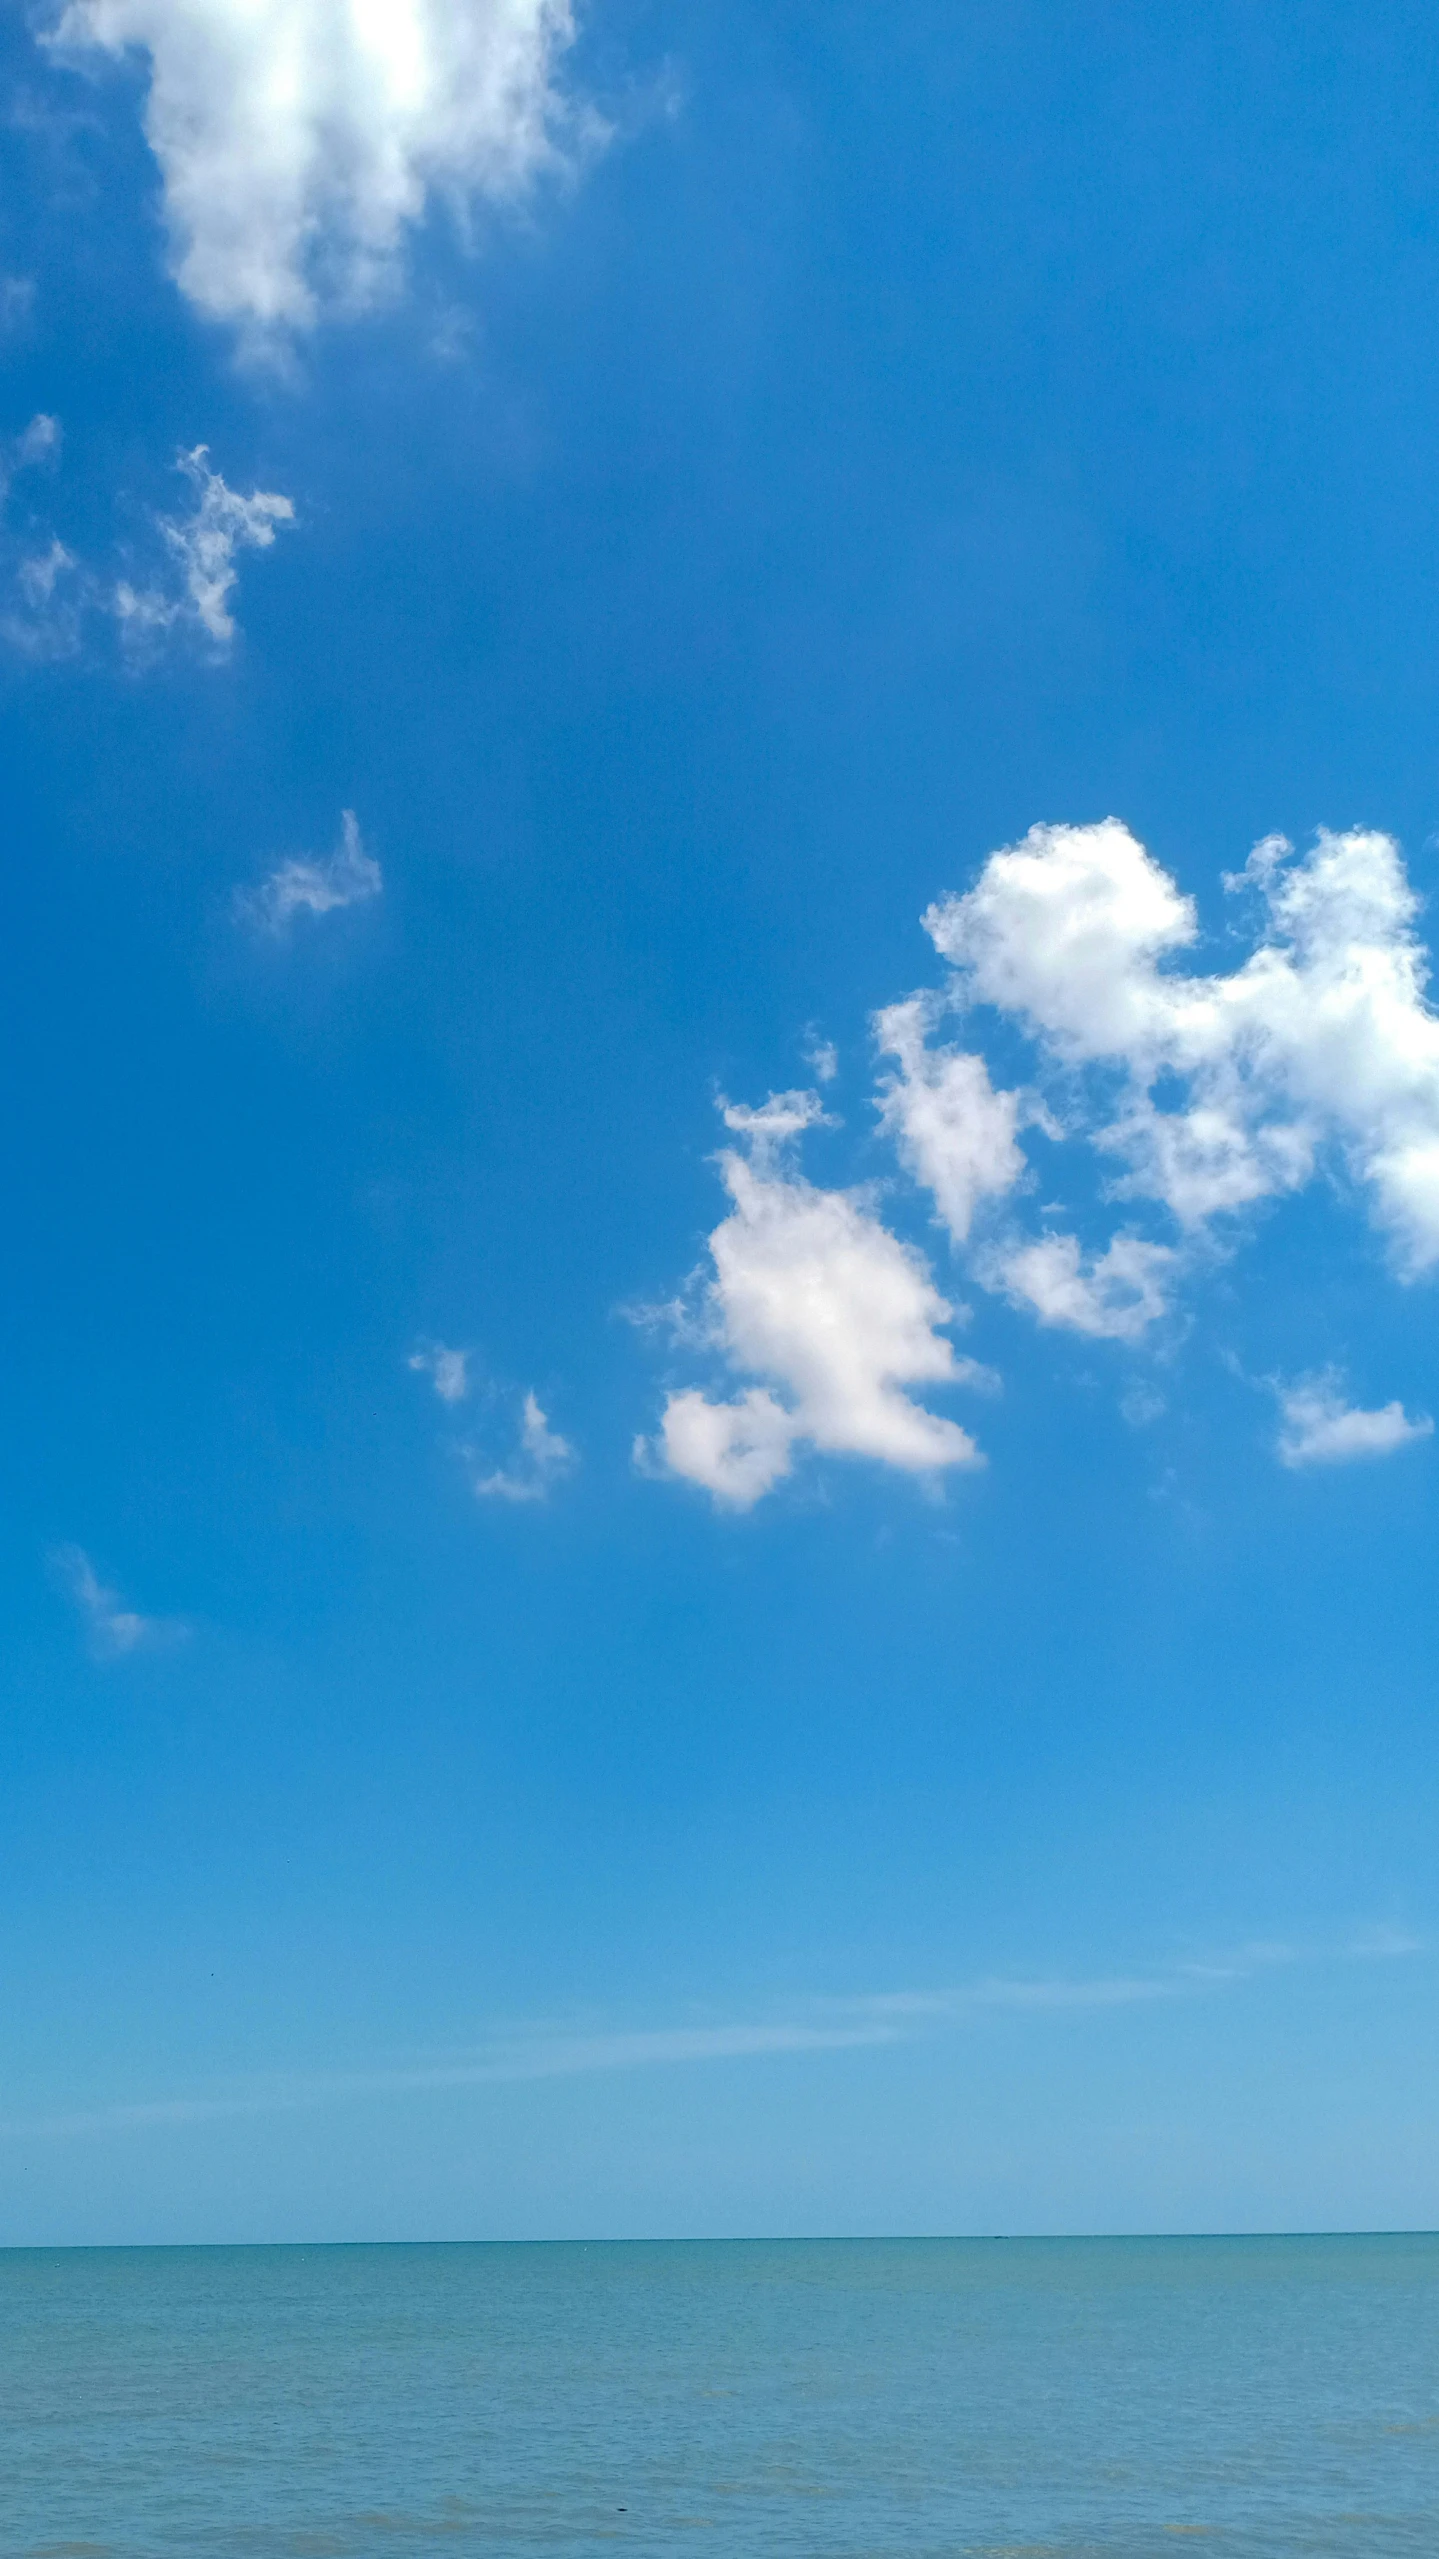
812, 1295
737, 1450
448, 1371
39, 442
299, 140
953, 1132
1194, 1096
202, 547
348, 877
820, 1056
112, 1629
542, 1458
875, 2021
1322, 1044
1113, 1296
1319, 1428
188, 588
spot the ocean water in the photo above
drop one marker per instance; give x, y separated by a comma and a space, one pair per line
1029, 2399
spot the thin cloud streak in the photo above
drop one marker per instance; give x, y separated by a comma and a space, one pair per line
881, 2020
112, 1629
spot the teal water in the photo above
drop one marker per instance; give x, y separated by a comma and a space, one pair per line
1029, 2399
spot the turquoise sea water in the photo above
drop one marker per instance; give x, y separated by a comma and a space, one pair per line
1029, 2399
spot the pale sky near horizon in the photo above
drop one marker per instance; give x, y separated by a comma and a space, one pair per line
723, 1185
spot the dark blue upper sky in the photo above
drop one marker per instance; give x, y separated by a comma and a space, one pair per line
878, 433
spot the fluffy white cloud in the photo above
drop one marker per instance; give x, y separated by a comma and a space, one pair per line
1319, 1428
813, 1295
1112, 1296
447, 1370
1197, 1095
737, 1450
542, 1458
952, 1130
299, 139
112, 1629
202, 547
1215, 1092
301, 886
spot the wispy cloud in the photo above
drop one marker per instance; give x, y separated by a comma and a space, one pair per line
870, 2022
17, 300
541, 1460
39, 442
202, 545
447, 1370
304, 886
186, 586
112, 1629
820, 1056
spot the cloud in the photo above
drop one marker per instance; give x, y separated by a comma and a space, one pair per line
1113, 1296
1201, 1095
1318, 1428
448, 1371
953, 1132
189, 584
299, 142
1194, 1098
540, 1462
736, 1450
1322, 1045
202, 547
112, 1629
820, 1056
39, 442
812, 1295
869, 2022
47, 623
348, 877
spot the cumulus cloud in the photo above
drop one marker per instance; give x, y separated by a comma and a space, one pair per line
301, 886
1318, 1427
1194, 1097
202, 545
447, 1370
299, 140
1204, 1095
954, 1133
736, 1450
112, 1629
539, 1463
1113, 1296
1216, 1092
833, 1316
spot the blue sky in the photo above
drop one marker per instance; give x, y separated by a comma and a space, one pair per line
582, 1665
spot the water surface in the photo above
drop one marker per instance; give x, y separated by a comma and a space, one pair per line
934, 2399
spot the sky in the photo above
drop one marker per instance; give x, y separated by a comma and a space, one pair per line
722, 1172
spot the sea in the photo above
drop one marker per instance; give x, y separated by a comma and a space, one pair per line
835, 2399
